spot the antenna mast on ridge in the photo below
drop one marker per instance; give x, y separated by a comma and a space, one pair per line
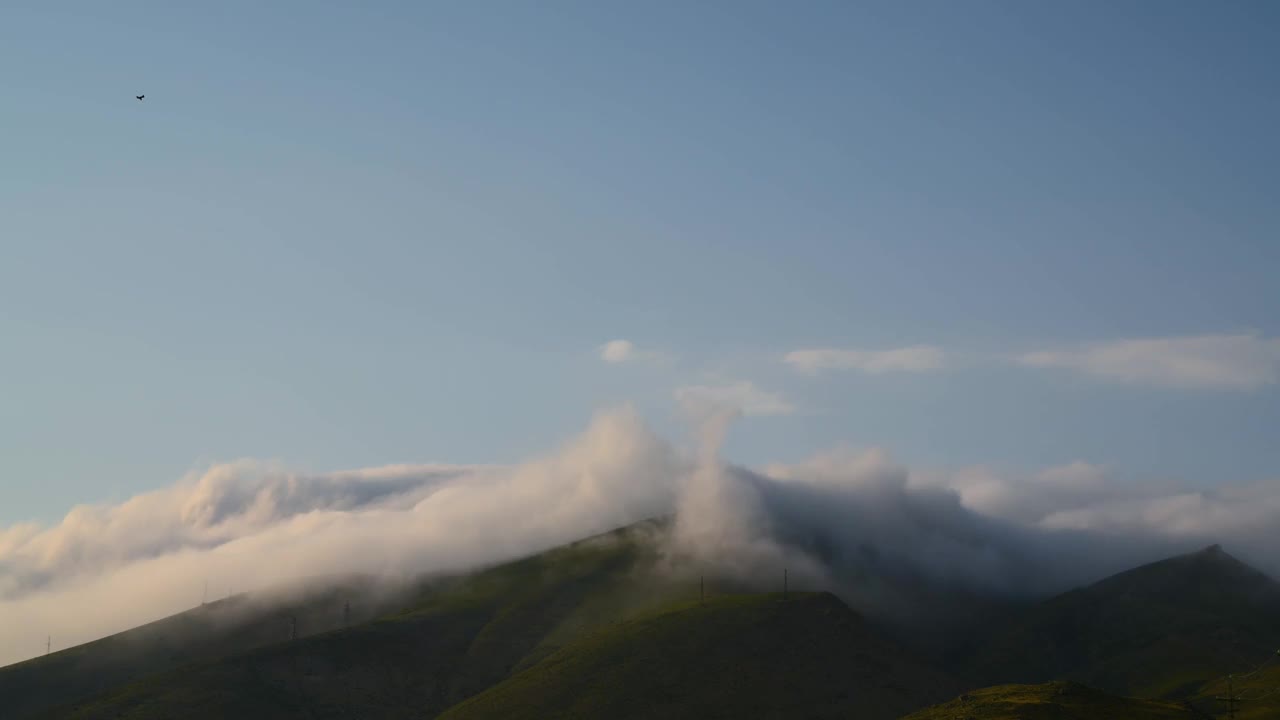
1232, 700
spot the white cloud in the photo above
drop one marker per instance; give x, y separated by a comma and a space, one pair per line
1031, 499
256, 526
1232, 511
1240, 362
917, 358
625, 351
735, 397
617, 351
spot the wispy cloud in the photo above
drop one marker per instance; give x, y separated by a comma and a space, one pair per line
916, 358
1240, 362
738, 397
625, 351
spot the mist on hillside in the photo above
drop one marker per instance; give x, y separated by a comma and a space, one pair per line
847, 521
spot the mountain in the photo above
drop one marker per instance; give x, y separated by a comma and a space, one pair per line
1052, 701
610, 627
1160, 630
757, 656
577, 607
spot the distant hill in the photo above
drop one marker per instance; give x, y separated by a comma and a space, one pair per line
744, 656
1051, 701
1160, 630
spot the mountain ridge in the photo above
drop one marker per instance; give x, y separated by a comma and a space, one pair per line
1166, 629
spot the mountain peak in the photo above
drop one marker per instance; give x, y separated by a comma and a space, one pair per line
1150, 630
1193, 572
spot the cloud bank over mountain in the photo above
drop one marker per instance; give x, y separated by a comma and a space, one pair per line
840, 518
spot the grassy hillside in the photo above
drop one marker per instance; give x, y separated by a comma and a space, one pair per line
204, 633
1051, 701
456, 641
1259, 693
756, 656
1160, 630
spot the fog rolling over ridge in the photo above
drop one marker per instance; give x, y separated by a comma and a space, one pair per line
836, 519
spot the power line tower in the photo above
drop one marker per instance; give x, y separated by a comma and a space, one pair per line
346, 614
293, 627
1231, 699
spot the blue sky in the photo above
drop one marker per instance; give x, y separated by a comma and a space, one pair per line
341, 236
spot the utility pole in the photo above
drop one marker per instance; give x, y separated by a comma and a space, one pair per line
346, 614
702, 589
293, 627
204, 596
1232, 700
48, 644
784, 582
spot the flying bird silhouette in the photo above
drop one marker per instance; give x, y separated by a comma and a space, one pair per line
139, 96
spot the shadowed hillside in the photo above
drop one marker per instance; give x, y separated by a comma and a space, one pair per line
1160, 630
758, 656
1258, 692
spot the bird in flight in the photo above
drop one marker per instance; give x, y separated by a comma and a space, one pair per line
139, 96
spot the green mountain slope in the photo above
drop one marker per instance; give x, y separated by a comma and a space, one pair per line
1160, 630
757, 656
209, 631
1051, 701
457, 640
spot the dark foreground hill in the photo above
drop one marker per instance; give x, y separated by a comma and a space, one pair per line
745, 656
1161, 630
1051, 701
